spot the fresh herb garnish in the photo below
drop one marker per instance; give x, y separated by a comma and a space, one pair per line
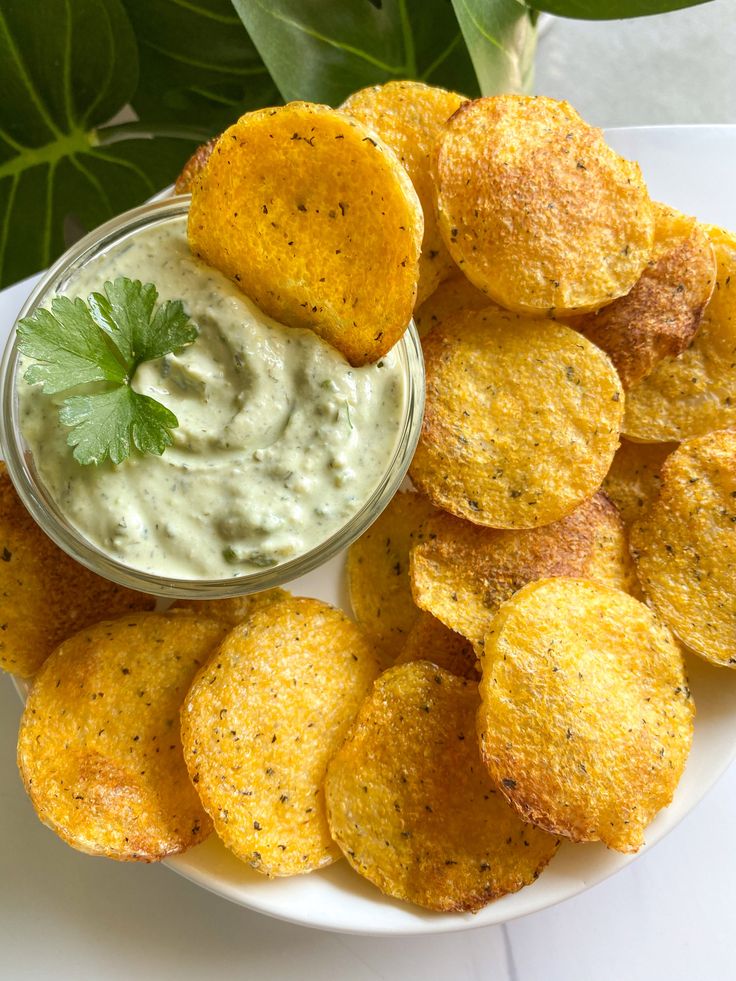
104, 340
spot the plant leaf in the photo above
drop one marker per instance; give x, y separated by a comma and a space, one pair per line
68, 347
126, 313
324, 51
611, 9
198, 66
501, 38
105, 425
62, 74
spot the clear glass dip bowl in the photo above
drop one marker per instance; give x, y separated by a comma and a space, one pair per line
44, 510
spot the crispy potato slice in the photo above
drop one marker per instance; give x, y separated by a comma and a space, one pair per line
411, 805
232, 610
430, 640
586, 717
44, 594
317, 222
260, 723
452, 296
521, 420
659, 317
634, 478
99, 748
462, 573
378, 572
536, 209
194, 167
685, 545
693, 394
409, 117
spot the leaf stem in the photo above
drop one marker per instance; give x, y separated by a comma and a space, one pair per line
107, 135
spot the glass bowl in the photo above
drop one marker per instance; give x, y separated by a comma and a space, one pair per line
46, 513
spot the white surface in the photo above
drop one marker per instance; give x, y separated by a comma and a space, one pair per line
64, 915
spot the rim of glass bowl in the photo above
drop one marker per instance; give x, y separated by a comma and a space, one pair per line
47, 515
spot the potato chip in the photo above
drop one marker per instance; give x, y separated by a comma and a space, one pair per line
378, 572
411, 805
462, 573
521, 420
685, 545
536, 209
586, 717
430, 640
633, 480
659, 317
260, 723
194, 167
317, 222
409, 117
99, 748
452, 296
45, 595
693, 394
232, 610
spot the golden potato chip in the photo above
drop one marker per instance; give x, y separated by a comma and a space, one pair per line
633, 480
378, 572
693, 394
99, 748
44, 594
521, 420
536, 209
410, 803
660, 315
317, 222
430, 640
260, 723
685, 545
586, 717
452, 296
194, 167
409, 117
232, 610
462, 573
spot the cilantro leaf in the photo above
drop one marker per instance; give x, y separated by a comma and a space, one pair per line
106, 423
68, 347
103, 341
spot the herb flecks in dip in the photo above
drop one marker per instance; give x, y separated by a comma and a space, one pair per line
279, 440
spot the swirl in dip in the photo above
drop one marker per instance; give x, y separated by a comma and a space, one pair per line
280, 441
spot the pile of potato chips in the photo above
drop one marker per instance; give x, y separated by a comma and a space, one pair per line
516, 674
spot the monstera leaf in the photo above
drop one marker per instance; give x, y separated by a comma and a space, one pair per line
62, 75
612, 9
321, 51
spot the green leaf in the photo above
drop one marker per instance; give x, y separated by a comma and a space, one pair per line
67, 346
105, 425
126, 314
198, 66
323, 51
611, 9
66, 68
501, 38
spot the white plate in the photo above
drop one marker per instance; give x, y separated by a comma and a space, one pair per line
691, 168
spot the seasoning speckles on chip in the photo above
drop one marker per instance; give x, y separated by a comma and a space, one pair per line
586, 718
462, 573
260, 723
318, 223
45, 596
99, 748
378, 572
536, 209
685, 545
452, 296
521, 421
409, 117
634, 478
410, 803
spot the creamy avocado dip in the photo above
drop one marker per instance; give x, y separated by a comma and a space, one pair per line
280, 441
